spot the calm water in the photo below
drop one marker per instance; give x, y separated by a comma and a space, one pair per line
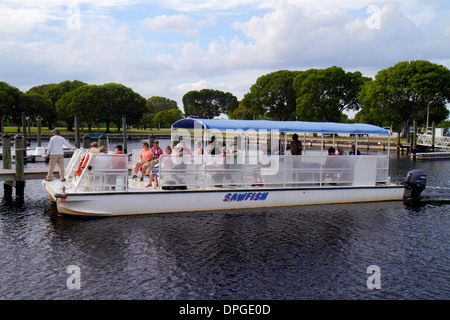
311, 252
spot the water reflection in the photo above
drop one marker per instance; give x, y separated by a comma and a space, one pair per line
309, 252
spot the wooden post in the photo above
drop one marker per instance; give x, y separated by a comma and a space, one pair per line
398, 142
86, 142
24, 127
39, 131
124, 125
433, 136
28, 142
151, 139
6, 145
77, 131
414, 139
20, 175
6, 148
103, 141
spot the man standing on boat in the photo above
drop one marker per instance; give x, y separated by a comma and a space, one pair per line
296, 146
56, 153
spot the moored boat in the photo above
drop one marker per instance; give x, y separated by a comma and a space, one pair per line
244, 164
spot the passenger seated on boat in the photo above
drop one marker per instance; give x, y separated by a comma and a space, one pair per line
156, 153
145, 158
213, 147
198, 148
166, 163
257, 170
186, 150
94, 147
177, 163
352, 152
342, 152
116, 163
336, 168
331, 165
221, 166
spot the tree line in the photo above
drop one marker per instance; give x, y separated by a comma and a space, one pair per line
410, 90
94, 104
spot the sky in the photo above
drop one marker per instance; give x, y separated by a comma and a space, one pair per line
169, 47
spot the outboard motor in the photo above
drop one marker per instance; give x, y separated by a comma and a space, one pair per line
415, 183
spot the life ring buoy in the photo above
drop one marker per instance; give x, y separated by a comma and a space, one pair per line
82, 164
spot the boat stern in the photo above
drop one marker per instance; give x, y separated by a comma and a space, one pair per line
55, 189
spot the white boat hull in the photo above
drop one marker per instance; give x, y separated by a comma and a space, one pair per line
155, 201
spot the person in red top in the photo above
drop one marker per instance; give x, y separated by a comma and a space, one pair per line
119, 149
157, 151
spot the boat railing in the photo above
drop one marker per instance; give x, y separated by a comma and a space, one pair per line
100, 172
276, 171
109, 172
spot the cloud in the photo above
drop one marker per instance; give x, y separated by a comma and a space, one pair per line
224, 45
175, 23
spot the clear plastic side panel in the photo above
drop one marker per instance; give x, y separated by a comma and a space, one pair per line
382, 169
273, 171
224, 170
176, 171
104, 172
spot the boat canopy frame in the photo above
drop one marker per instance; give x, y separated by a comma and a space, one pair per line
282, 127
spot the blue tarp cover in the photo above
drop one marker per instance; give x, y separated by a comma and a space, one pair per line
293, 126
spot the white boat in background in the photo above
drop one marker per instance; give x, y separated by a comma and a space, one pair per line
244, 176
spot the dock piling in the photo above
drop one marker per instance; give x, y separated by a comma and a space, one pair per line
124, 125
77, 131
86, 141
414, 140
20, 174
6, 154
103, 141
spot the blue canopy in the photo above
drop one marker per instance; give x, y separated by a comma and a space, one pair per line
294, 126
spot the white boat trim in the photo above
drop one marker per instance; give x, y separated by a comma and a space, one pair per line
156, 201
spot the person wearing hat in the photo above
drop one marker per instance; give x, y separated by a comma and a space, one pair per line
56, 153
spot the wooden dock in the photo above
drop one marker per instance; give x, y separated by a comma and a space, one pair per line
431, 155
29, 174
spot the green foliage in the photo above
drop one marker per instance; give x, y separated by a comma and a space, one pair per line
10, 107
37, 105
242, 113
159, 106
165, 118
405, 92
208, 103
273, 96
102, 103
54, 92
323, 94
